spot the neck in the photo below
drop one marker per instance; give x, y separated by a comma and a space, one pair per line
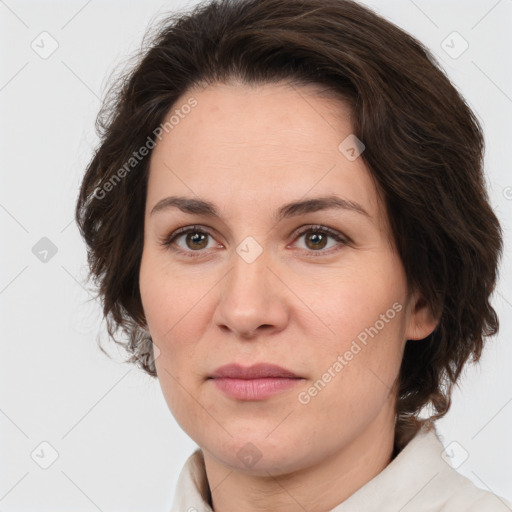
316, 488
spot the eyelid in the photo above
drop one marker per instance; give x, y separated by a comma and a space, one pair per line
324, 229
168, 240
333, 233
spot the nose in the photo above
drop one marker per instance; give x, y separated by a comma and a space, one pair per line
253, 300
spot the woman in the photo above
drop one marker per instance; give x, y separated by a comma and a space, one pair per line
287, 218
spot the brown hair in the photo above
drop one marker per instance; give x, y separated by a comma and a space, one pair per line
424, 149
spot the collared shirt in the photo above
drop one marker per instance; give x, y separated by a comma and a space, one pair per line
418, 479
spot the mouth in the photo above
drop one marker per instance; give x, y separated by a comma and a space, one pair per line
256, 382
256, 371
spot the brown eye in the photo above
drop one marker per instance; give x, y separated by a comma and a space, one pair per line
190, 240
196, 240
320, 239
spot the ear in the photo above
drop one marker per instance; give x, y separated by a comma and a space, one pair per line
421, 322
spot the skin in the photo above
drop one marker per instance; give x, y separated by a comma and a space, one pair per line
249, 150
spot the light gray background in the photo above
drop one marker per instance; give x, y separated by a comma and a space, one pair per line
119, 449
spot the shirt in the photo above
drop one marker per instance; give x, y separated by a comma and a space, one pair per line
418, 479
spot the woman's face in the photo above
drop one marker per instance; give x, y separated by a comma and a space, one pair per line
315, 288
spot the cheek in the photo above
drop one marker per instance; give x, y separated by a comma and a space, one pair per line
169, 297
176, 307
355, 376
358, 362
172, 318
364, 296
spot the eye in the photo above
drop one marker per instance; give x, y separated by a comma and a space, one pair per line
190, 240
193, 240
316, 239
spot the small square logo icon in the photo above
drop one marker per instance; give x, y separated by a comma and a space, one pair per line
249, 454
454, 45
44, 250
351, 147
156, 352
44, 45
249, 249
44, 455
455, 454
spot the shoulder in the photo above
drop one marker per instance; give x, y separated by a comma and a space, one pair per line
421, 479
447, 490
463, 495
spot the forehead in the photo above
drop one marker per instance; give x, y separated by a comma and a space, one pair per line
264, 144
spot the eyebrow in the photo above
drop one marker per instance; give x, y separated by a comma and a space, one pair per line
202, 207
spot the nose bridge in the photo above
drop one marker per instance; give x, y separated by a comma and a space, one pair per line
249, 296
245, 284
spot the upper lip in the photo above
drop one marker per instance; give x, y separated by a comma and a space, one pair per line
256, 371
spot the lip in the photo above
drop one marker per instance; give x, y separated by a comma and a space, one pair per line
256, 371
256, 382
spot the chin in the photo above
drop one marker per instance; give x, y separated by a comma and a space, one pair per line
258, 454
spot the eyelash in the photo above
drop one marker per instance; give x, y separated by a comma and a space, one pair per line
324, 230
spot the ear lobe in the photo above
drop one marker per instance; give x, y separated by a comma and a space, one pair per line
421, 322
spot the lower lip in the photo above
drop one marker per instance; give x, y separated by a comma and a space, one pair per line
254, 389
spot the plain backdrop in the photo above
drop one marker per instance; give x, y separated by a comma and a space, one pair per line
101, 427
